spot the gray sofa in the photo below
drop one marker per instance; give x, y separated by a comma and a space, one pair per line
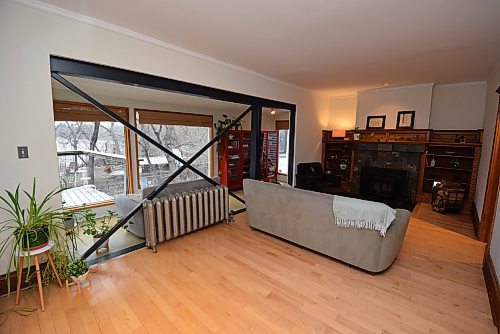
306, 218
125, 203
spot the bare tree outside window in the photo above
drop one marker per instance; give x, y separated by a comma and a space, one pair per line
92, 164
155, 165
283, 152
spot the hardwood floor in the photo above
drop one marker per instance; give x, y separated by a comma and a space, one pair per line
230, 279
460, 222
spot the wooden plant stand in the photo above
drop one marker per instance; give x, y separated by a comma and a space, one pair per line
36, 253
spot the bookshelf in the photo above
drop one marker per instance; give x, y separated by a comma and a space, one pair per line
234, 158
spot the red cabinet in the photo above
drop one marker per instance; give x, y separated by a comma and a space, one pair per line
234, 157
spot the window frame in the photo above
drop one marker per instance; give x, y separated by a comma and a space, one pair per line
89, 113
175, 118
283, 125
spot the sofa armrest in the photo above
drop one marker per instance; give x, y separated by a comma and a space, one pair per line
393, 240
124, 205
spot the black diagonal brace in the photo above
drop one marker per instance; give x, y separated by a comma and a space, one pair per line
162, 186
114, 116
185, 164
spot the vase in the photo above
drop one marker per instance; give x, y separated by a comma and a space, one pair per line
357, 136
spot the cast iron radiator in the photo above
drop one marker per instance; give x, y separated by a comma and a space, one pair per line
166, 218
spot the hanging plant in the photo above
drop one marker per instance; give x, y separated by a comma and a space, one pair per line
220, 126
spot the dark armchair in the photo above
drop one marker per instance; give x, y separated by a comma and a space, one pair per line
310, 176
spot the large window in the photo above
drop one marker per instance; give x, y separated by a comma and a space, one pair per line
282, 127
184, 134
92, 154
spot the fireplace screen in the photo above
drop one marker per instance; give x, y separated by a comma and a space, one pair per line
384, 183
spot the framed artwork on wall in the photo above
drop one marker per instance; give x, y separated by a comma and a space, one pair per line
406, 119
375, 122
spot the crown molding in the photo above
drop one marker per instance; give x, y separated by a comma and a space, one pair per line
343, 96
148, 39
373, 90
461, 83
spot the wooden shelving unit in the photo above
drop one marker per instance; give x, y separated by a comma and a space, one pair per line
231, 160
451, 161
234, 158
335, 155
456, 155
269, 157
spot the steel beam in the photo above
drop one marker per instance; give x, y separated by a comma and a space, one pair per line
256, 142
291, 145
82, 69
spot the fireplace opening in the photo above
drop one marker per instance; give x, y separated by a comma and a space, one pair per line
385, 185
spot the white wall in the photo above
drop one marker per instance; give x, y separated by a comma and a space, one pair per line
388, 101
29, 36
343, 113
489, 123
458, 106
495, 241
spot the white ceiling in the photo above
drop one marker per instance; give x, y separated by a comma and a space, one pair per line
333, 47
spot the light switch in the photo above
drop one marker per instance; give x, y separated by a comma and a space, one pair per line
22, 152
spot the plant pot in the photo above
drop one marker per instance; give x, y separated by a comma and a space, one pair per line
80, 278
104, 245
36, 238
357, 136
69, 223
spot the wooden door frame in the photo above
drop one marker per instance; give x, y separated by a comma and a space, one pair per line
491, 193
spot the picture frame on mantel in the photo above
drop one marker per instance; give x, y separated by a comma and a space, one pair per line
406, 119
375, 122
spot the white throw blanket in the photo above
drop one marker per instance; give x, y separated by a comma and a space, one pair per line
357, 213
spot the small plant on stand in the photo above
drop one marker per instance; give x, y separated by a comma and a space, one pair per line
78, 270
28, 228
97, 228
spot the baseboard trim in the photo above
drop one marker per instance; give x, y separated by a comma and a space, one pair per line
475, 219
13, 279
493, 288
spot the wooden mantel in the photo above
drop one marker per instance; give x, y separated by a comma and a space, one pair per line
410, 136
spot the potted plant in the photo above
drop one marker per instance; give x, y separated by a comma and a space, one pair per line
356, 133
29, 227
97, 228
220, 126
78, 270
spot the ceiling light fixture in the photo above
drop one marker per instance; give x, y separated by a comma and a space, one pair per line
386, 84
273, 111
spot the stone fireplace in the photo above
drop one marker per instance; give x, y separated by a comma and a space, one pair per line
387, 172
384, 184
